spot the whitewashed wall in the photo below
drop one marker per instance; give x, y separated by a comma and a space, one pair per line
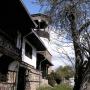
27, 59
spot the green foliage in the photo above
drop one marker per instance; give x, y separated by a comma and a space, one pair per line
58, 87
65, 72
57, 78
44, 88
54, 78
61, 73
51, 79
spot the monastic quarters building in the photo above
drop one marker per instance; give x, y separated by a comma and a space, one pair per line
21, 50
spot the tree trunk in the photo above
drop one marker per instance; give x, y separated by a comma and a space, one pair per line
78, 54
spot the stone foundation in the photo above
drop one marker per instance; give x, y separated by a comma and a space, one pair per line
35, 79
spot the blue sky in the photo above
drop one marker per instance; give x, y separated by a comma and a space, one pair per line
32, 7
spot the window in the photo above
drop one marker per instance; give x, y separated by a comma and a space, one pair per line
28, 50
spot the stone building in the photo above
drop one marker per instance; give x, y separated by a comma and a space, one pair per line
43, 32
20, 60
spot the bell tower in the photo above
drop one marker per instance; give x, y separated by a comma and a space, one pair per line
42, 21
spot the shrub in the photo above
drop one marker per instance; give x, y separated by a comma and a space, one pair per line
54, 78
51, 80
57, 78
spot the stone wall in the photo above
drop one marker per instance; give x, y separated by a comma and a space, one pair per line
10, 83
33, 77
35, 80
44, 83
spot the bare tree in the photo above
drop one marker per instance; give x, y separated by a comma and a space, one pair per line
71, 16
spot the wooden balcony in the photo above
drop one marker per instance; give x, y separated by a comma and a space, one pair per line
43, 33
8, 48
41, 20
44, 55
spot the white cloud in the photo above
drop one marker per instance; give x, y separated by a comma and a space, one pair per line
57, 47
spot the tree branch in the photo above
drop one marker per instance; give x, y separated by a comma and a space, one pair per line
84, 26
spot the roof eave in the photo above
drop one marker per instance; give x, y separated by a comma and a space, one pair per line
35, 25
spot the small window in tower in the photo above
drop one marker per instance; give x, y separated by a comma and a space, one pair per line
28, 51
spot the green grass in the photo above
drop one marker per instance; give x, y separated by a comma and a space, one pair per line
58, 87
